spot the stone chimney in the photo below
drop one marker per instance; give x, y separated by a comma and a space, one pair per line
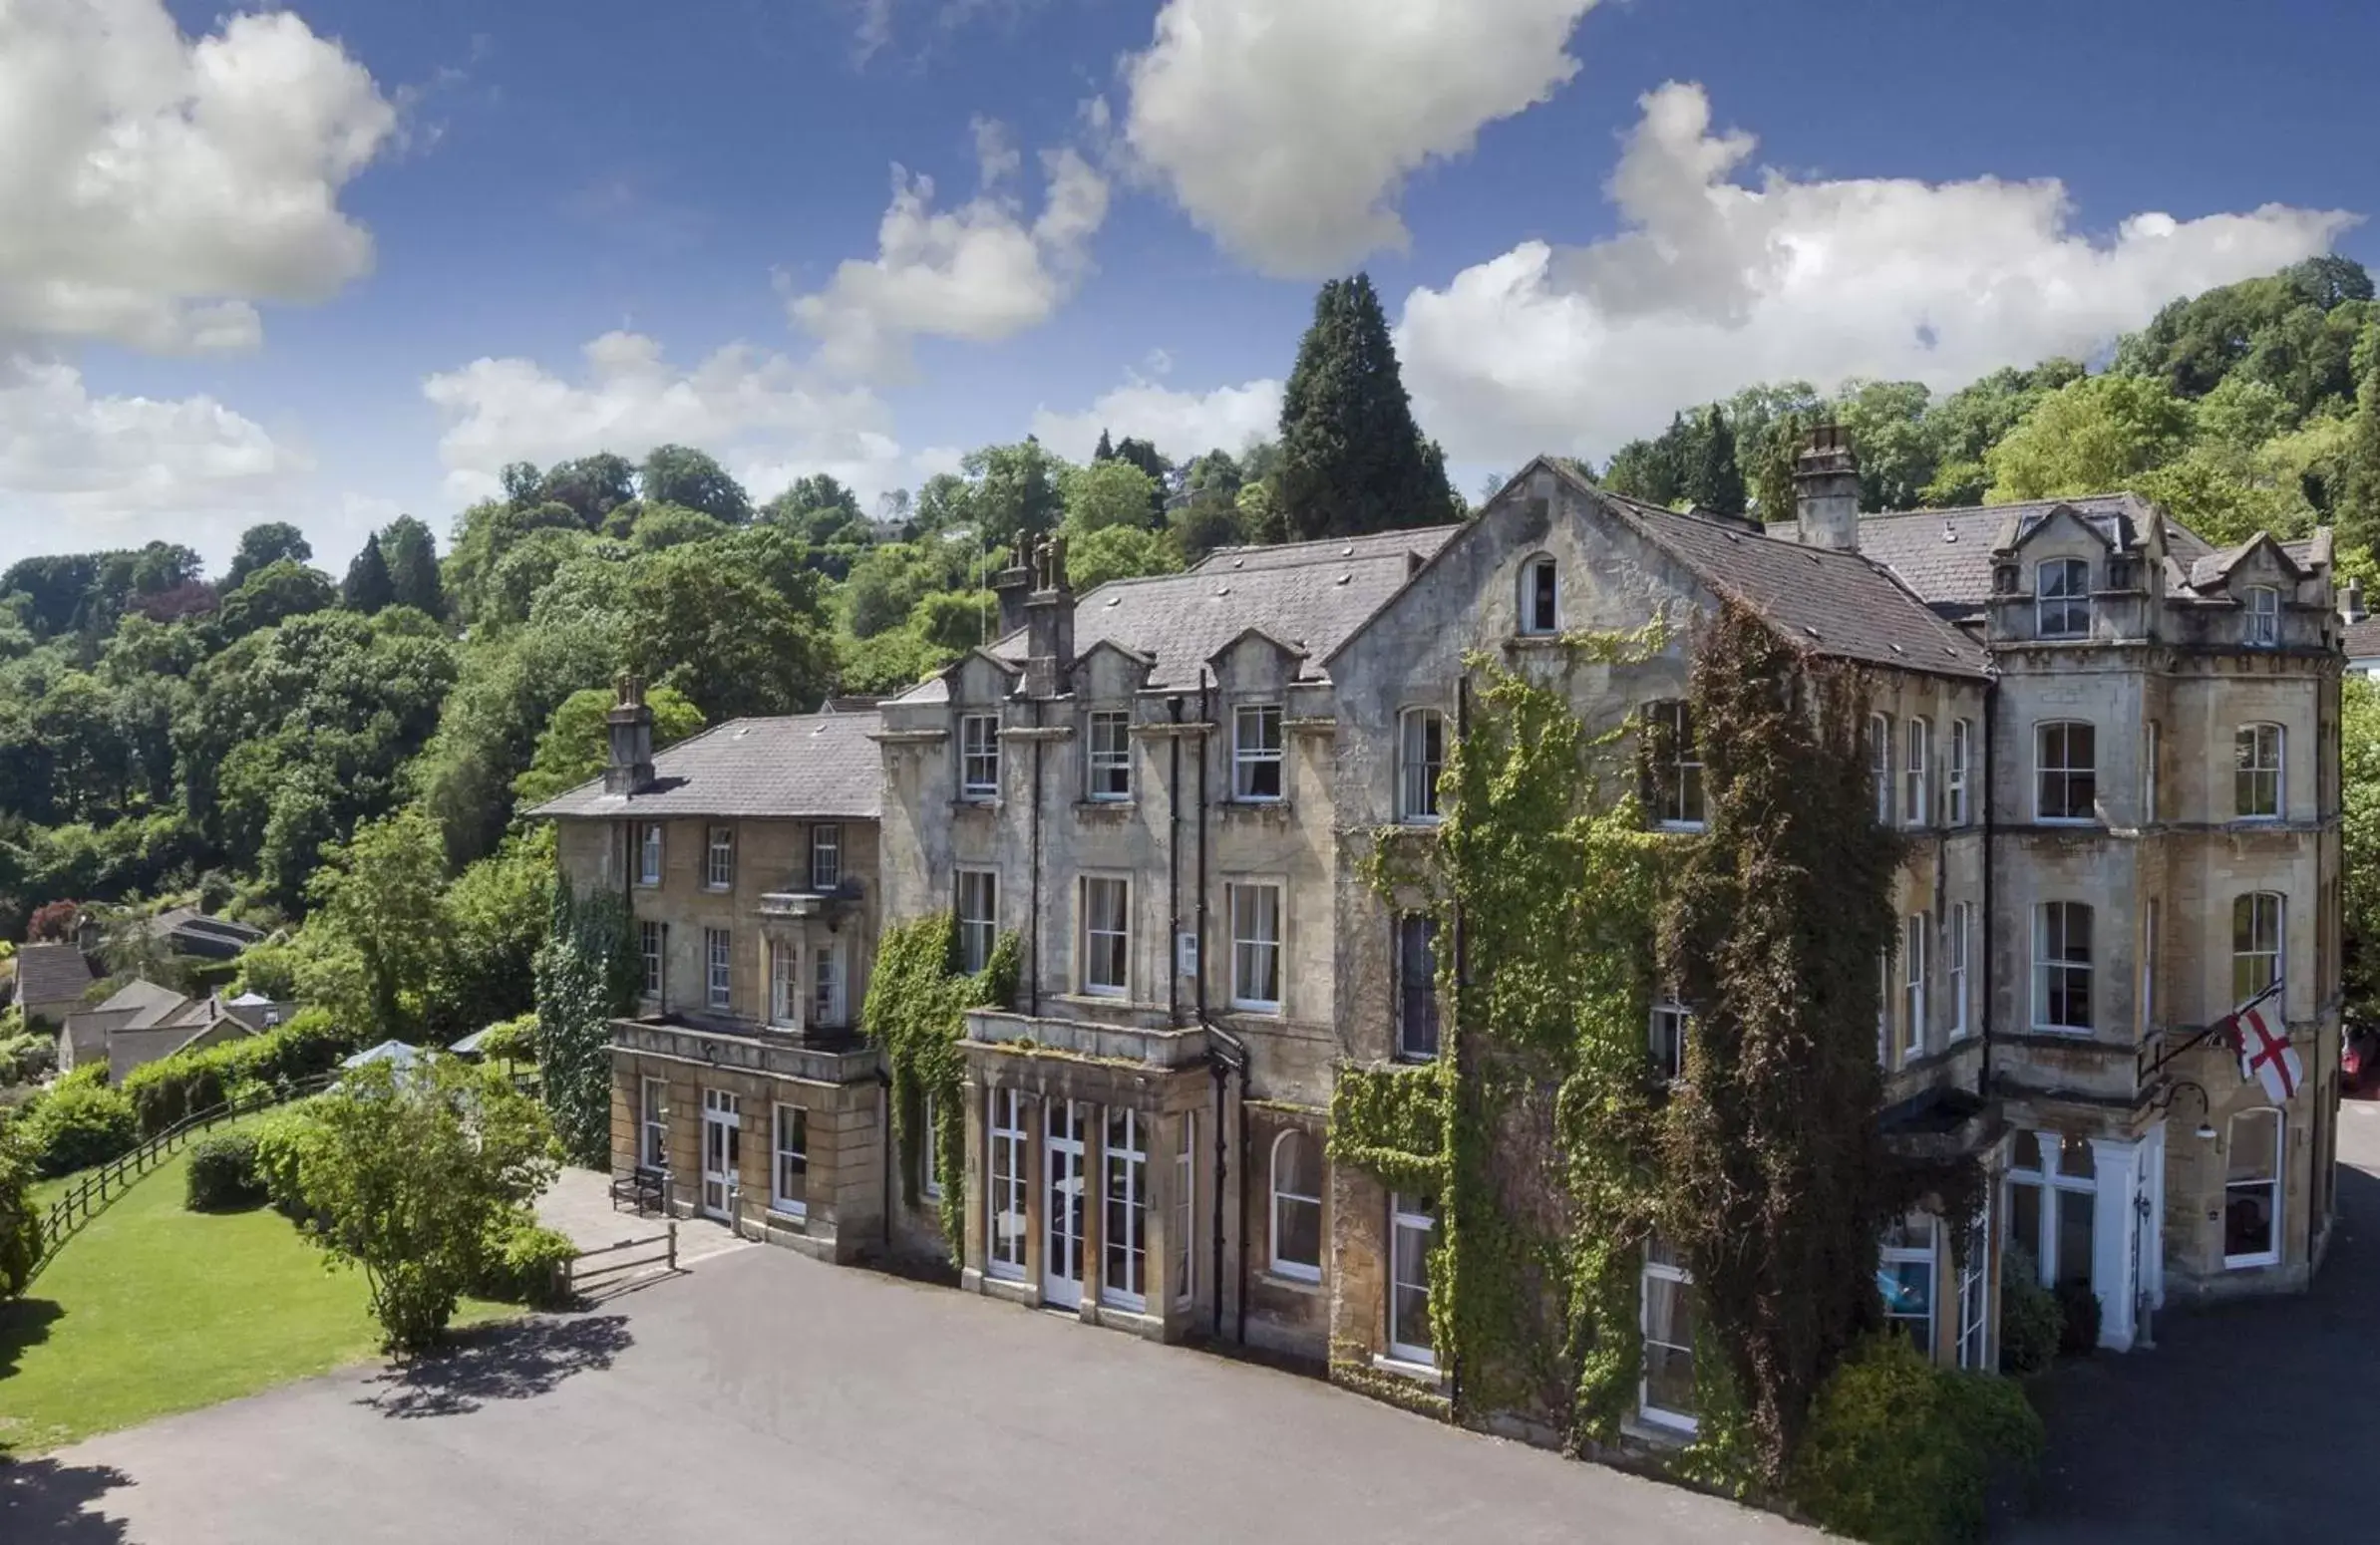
1049, 622
631, 722
1011, 585
1826, 491
2351, 602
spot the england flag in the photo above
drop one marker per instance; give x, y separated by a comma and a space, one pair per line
2262, 1032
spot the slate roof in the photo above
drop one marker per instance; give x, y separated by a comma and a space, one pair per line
2362, 640
193, 932
52, 973
147, 1004
1422, 542
805, 766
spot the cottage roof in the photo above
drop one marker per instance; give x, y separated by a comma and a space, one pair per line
2362, 639
52, 973
146, 1003
801, 765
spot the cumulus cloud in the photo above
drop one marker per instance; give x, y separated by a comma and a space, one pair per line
155, 187
1286, 130
1182, 423
767, 418
1713, 284
981, 272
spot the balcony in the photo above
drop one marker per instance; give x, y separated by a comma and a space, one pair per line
800, 902
1160, 1045
823, 1055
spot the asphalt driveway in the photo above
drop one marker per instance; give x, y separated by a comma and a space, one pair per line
767, 1396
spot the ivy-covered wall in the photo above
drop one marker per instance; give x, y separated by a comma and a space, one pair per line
588, 974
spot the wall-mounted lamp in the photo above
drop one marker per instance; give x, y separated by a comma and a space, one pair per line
2165, 1102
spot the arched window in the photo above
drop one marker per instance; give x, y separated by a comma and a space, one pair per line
2061, 598
2256, 785
1420, 756
2256, 943
2264, 617
2065, 771
1296, 1207
1676, 763
1541, 596
2253, 1189
2062, 966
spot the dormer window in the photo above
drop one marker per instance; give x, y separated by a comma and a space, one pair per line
1540, 597
2061, 598
2264, 617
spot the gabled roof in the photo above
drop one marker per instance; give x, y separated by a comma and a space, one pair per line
802, 765
2362, 640
147, 1004
52, 973
1422, 542
2216, 567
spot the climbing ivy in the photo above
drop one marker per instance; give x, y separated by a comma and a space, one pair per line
588, 974
917, 1000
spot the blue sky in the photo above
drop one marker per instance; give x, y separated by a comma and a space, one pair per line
1551, 195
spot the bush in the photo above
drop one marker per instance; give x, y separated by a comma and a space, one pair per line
27, 1056
527, 1263
2031, 1323
173, 1089
222, 1174
20, 1223
1901, 1453
512, 1040
2078, 1331
77, 1123
282, 1140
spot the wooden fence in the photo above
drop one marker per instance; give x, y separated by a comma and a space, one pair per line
615, 1266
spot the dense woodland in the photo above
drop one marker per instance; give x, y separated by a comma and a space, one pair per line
343, 754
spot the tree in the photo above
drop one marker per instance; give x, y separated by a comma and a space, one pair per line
2359, 826
680, 475
1160, 471
1105, 450
820, 510
282, 589
2358, 511
714, 631
592, 486
2095, 436
1352, 459
1652, 470
1016, 492
1108, 493
576, 742
496, 914
379, 935
1119, 552
410, 1173
1888, 428
20, 1219
1714, 480
368, 588
262, 545
412, 556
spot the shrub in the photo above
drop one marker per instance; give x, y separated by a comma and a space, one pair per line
512, 1040
222, 1174
527, 1263
20, 1224
77, 1123
173, 1089
2031, 1323
2078, 1308
1901, 1453
283, 1139
27, 1056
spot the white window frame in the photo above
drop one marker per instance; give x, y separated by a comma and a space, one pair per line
2271, 1186
652, 943
1006, 1193
1257, 743
826, 855
1255, 909
2252, 772
1916, 795
1880, 765
979, 757
1408, 1215
1541, 621
1671, 1274
1092, 935
2063, 967
2053, 1179
1666, 1033
1124, 1192
978, 931
1418, 769
789, 1162
2060, 599
1887, 990
830, 988
1962, 754
1280, 1199
2256, 962
1915, 932
1678, 790
1186, 1210
2263, 605
649, 840
1974, 1292
719, 858
785, 983
929, 1182
653, 1148
1107, 755
1962, 922
1890, 1254
2066, 768
719, 969
1401, 946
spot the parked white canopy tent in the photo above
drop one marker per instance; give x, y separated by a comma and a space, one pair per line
400, 1053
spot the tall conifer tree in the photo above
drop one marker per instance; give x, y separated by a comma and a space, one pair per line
1352, 459
368, 588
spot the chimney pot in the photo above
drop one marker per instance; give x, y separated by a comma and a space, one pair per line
630, 723
1049, 622
2351, 603
1827, 491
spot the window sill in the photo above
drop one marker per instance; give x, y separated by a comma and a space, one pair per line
976, 803
1256, 803
1686, 826
1425, 1373
2076, 1032
1546, 639
710, 889
1666, 1432
1271, 1010
1273, 1277
789, 1212
1106, 803
1420, 822
2241, 1263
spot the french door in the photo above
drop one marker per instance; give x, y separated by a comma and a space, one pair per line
722, 1150
1062, 1253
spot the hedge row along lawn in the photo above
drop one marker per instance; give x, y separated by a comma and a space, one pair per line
153, 1310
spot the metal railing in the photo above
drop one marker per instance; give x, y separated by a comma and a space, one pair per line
68, 1215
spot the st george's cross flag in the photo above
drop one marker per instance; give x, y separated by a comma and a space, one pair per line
2263, 1036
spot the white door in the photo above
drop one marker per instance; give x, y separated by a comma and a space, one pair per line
722, 1151
1062, 1252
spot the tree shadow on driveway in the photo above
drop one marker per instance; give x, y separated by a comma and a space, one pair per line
42, 1499
515, 1361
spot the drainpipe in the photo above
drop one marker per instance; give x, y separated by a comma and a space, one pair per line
884, 1122
1033, 995
1173, 869
1218, 1067
1991, 850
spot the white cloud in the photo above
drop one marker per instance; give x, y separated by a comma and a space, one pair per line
764, 415
980, 272
1713, 285
1179, 423
1287, 129
155, 186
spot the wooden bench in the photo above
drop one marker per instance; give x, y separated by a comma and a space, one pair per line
644, 1187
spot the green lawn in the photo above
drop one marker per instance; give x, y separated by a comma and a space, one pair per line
153, 1310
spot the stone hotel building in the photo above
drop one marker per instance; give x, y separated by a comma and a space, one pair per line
2112, 747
